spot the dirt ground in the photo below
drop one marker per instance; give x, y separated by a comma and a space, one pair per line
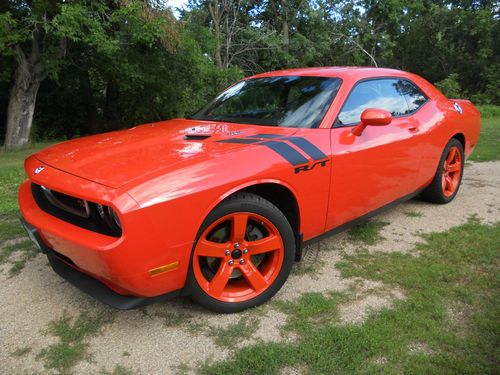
177, 335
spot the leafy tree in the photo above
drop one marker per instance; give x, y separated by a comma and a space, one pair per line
450, 86
39, 34
106, 64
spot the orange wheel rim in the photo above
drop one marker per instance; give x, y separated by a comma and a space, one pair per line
452, 169
238, 257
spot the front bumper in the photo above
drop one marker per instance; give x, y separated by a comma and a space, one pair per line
84, 282
123, 264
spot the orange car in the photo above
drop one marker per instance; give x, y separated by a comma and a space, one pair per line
217, 206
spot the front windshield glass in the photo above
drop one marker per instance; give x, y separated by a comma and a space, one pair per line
289, 101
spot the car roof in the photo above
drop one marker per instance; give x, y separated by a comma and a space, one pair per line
358, 72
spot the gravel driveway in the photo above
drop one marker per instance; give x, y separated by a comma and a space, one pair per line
175, 336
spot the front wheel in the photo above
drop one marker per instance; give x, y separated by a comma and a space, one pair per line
444, 187
243, 254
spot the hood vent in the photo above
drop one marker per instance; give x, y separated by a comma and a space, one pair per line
196, 137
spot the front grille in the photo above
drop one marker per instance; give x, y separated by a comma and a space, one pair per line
72, 210
75, 206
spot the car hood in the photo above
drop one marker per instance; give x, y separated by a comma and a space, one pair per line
117, 158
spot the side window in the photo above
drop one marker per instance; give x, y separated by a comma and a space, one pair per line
414, 97
393, 95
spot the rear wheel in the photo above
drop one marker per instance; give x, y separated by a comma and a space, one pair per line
243, 254
448, 176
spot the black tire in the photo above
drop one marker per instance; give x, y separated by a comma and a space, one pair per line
434, 192
245, 202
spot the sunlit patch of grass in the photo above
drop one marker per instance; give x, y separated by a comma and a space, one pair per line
411, 213
21, 251
10, 228
72, 347
302, 268
367, 232
11, 176
231, 335
488, 147
416, 335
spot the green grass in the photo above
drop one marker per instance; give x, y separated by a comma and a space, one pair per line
11, 176
229, 336
303, 268
489, 110
488, 147
367, 232
411, 213
71, 347
448, 322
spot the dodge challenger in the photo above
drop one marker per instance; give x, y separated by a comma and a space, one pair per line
218, 206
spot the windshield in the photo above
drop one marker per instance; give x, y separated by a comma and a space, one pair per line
289, 101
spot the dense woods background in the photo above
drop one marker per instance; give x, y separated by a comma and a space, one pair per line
84, 66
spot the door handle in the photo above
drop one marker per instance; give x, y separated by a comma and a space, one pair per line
413, 129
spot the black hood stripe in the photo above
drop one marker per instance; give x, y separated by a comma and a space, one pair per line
239, 140
287, 152
307, 147
279, 144
265, 136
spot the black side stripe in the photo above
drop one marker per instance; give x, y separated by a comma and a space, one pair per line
239, 140
307, 147
286, 151
265, 136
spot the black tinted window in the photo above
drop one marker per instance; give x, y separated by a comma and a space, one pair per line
399, 97
289, 101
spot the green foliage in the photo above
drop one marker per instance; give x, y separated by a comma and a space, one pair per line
7, 37
446, 324
114, 64
450, 86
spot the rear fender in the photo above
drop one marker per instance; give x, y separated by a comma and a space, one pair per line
468, 122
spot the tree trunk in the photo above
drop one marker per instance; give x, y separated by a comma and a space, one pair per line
218, 48
21, 106
216, 15
285, 26
112, 113
89, 105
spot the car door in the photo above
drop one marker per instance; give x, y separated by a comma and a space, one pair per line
381, 165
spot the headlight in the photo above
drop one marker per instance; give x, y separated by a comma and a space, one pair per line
109, 216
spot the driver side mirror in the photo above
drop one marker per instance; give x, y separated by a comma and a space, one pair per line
372, 117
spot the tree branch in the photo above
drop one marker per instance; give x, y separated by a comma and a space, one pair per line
359, 46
